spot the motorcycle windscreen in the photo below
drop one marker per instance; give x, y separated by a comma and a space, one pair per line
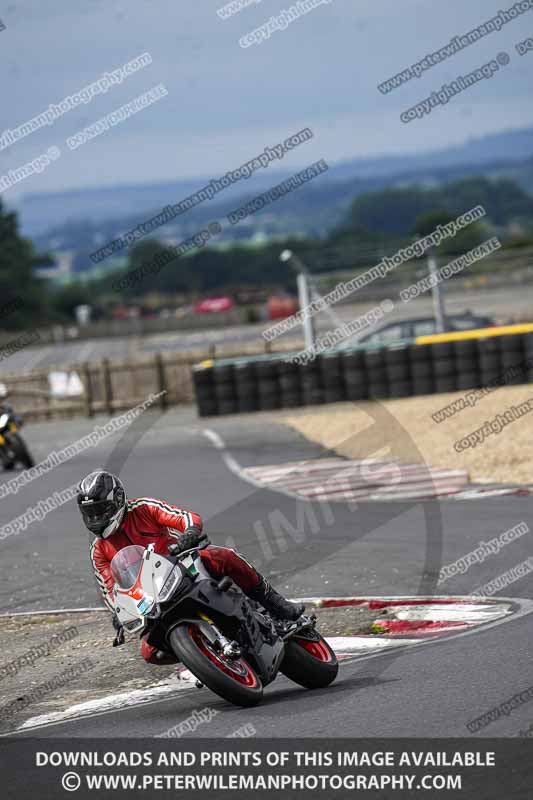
126, 565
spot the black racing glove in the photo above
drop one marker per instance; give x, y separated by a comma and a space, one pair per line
191, 537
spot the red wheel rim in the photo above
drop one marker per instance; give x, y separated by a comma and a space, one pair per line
318, 649
236, 668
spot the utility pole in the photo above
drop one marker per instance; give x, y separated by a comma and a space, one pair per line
307, 291
436, 291
304, 298
304, 293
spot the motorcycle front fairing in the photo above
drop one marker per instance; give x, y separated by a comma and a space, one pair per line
7, 423
229, 610
154, 593
141, 584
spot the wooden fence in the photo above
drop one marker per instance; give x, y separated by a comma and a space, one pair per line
113, 386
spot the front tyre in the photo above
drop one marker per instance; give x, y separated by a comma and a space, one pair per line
310, 662
21, 451
232, 679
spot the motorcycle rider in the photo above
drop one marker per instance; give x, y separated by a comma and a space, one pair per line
117, 522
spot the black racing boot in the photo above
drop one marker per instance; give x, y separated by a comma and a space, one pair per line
274, 603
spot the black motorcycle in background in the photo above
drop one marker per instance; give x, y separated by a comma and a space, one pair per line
13, 448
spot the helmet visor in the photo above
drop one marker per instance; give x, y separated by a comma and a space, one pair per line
97, 515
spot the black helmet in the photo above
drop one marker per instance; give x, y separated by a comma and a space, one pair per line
102, 502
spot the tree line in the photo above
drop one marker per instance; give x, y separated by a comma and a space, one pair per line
376, 224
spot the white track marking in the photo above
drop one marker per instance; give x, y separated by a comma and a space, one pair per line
214, 438
112, 702
347, 479
471, 614
234, 466
314, 481
479, 494
362, 644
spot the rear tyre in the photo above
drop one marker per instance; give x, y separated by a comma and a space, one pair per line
310, 663
232, 679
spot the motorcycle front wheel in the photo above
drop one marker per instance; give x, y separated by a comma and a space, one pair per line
233, 679
7, 463
21, 451
310, 662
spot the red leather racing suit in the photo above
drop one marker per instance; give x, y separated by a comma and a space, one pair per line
151, 521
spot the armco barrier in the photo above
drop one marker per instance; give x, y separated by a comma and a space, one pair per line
447, 363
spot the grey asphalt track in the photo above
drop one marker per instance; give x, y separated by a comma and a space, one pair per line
372, 549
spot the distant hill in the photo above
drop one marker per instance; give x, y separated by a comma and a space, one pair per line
83, 220
51, 210
506, 146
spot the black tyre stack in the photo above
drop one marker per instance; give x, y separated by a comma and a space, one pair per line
528, 353
246, 387
378, 385
490, 364
204, 389
331, 367
289, 384
467, 364
398, 371
354, 374
268, 387
421, 366
270, 382
513, 357
311, 383
444, 367
225, 390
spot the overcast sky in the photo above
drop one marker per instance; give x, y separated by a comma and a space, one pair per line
225, 103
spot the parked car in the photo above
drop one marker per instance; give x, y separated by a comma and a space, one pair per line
214, 305
281, 306
413, 328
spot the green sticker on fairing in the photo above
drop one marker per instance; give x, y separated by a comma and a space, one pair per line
143, 605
